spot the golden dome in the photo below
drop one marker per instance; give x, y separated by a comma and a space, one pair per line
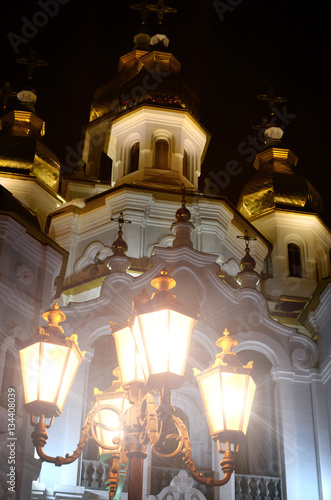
276, 185
144, 78
23, 151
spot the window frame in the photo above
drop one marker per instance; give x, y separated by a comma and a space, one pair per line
294, 260
165, 155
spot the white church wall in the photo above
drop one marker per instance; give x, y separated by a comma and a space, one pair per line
28, 268
146, 125
313, 240
293, 358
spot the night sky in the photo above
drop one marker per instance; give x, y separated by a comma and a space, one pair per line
227, 58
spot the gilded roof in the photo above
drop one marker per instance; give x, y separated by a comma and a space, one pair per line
22, 149
144, 78
277, 185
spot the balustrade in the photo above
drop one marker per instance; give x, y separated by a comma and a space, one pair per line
257, 487
247, 487
94, 474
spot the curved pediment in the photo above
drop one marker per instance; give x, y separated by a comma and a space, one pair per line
243, 312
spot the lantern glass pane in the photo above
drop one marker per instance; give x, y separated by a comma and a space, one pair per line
165, 337
140, 346
211, 393
30, 371
180, 332
128, 357
71, 369
53, 362
228, 399
234, 391
155, 327
249, 403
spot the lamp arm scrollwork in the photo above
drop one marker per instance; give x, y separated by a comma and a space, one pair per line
184, 449
227, 463
158, 421
117, 462
40, 436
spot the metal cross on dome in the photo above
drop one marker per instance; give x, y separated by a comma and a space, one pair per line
247, 238
271, 98
120, 221
31, 62
161, 8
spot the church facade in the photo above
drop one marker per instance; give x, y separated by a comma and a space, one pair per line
260, 270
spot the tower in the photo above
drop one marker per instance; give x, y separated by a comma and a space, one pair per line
143, 127
28, 168
283, 205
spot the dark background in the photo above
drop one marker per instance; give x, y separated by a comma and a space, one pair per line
226, 61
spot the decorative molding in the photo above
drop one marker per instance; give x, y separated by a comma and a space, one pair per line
95, 254
24, 273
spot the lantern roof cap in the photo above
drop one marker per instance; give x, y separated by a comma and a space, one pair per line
227, 358
163, 282
54, 316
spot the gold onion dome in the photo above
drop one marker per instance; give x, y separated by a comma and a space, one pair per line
276, 185
247, 262
183, 214
145, 77
119, 247
22, 148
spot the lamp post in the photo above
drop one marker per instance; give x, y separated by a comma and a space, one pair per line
152, 348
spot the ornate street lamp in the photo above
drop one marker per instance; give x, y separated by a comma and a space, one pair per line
162, 329
153, 345
227, 413
49, 363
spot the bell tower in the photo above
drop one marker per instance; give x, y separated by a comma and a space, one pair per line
28, 168
144, 122
283, 205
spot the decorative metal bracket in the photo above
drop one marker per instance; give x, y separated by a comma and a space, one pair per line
144, 423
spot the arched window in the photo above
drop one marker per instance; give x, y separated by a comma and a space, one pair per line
267, 268
106, 164
294, 260
162, 154
185, 164
134, 157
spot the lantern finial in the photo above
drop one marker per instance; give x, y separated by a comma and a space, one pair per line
226, 343
54, 316
163, 282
